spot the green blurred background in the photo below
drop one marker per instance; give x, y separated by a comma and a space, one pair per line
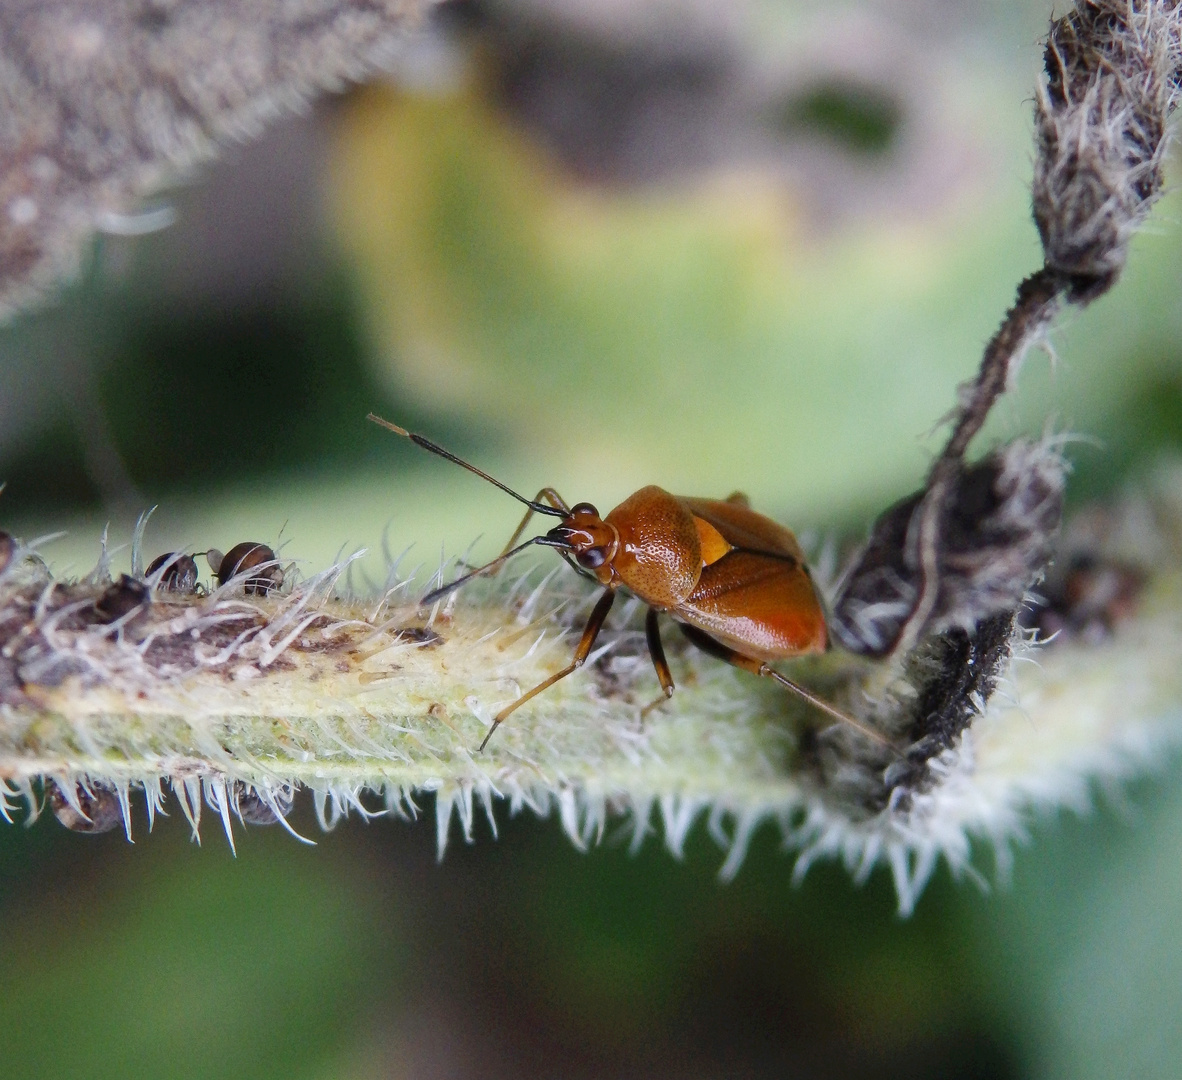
593, 246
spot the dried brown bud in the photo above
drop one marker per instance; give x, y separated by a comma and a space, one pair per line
1112, 69
998, 524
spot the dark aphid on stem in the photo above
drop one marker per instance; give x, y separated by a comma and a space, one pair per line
419, 635
121, 598
253, 809
179, 572
241, 559
100, 806
735, 582
1086, 599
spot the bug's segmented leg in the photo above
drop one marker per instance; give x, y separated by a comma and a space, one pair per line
652, 633
590, 633
552, 497
759, 667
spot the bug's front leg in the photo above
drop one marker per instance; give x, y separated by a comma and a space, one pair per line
590, 633
553, 498
657, 651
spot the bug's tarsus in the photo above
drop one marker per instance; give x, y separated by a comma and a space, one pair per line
656, 651
655, 703
586, 643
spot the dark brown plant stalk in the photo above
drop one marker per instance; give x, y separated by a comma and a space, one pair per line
1111, 81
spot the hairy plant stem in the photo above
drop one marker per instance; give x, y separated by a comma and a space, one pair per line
233, 700
1040, 297
236, 702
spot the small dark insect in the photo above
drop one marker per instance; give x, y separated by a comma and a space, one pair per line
735, 581
101, 809
121, 598
253, 809
180, 572
7, 550
419, 635
245, 557
1087, 599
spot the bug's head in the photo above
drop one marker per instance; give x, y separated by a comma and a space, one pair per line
590, 539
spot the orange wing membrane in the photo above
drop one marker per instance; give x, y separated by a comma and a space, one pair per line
742, 527
714, 544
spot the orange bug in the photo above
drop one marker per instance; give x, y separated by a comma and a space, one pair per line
735, 582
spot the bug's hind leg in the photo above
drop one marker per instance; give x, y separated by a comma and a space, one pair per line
657, 651
759, 667
590, 633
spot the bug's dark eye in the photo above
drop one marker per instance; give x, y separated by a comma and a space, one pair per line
584, 508
592, 558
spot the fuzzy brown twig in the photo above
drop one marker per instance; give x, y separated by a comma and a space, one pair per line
102, 103
1111, 83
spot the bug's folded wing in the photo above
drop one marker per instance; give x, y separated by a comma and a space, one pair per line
742, 527
762, 604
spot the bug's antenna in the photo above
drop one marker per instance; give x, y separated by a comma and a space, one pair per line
427, 444
443, 590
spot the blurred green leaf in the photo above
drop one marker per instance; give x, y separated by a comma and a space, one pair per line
170, 960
